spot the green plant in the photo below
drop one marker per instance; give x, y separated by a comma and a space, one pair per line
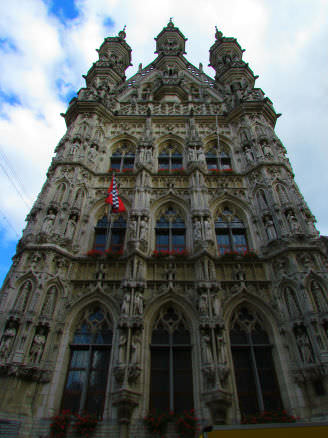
85, 424
60, 423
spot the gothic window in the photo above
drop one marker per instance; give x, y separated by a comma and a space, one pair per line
171, 385
170, 232
123, 158
170, 159
230, 233
217, 160
89, 364
60, 193
318, 297
24, 297
110, 234
255, 374
282, 194
292, 304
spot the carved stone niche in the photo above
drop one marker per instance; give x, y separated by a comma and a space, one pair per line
218, 402
125, 401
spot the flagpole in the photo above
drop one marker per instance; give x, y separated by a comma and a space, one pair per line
109, 224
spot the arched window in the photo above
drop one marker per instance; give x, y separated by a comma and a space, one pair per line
292, 304
110, 234
217, 160
170, 232
89, 362
169, 159
318, 297
171, 385
230, 233
123, 158
256, 380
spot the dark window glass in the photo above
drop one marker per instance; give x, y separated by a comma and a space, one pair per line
88, 369
110, 235
170, 159
170, 233
171, 385
231, 236
255, 375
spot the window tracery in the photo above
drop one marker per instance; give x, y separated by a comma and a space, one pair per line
88, 369
255, 375
170, 158
110, 233
170, 231
230, 232
123, 158
171, 386
218, 158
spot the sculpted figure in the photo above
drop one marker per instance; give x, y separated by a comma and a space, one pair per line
207, 350
126, 304
208, 229
135, 348
203, 303
270, 229
49, 222
143, 230
216, 305
197, 230
70, 229
121, 348
7, 341
138, 303
37, 347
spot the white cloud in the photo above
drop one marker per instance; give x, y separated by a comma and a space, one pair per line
284, 43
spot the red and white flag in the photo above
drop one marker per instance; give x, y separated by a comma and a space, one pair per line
113, 198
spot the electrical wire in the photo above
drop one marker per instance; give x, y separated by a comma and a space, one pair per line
10, 224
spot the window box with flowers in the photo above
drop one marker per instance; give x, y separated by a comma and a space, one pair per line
127, 170
156, 421
279, 416
231, 255
186, 424
110, 252
96, 253
250, 255
173, 253
85, 424
60, 424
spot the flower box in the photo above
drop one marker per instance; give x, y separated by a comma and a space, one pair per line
94, 253
280, 416
113, 253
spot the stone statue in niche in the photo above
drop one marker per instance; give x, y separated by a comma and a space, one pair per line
132, 232
207, 348
249, 154
208, 229
49, 221
7, 340
138, 303
197, 230
125, 309
143, 229
293, 223
135, 348
122, 348
221, 347
216, 305
70, 227
38, 345
203, 303
270, 228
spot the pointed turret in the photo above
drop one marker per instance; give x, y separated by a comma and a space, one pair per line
226, 59
114, 59
170, 41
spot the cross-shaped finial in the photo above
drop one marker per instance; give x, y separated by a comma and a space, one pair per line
171, 18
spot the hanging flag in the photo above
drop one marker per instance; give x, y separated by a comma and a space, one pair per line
113, 199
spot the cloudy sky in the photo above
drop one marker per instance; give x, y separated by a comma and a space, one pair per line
46, 46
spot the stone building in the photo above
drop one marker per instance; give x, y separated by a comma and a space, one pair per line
208, 292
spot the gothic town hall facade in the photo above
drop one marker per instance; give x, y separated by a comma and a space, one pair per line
209, 292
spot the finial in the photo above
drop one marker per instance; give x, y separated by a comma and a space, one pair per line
122, 33
170, 23
218, 33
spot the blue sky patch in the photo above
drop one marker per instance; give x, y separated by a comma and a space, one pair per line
108, 23
63, 9
7, 45
10, 98
8, 249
